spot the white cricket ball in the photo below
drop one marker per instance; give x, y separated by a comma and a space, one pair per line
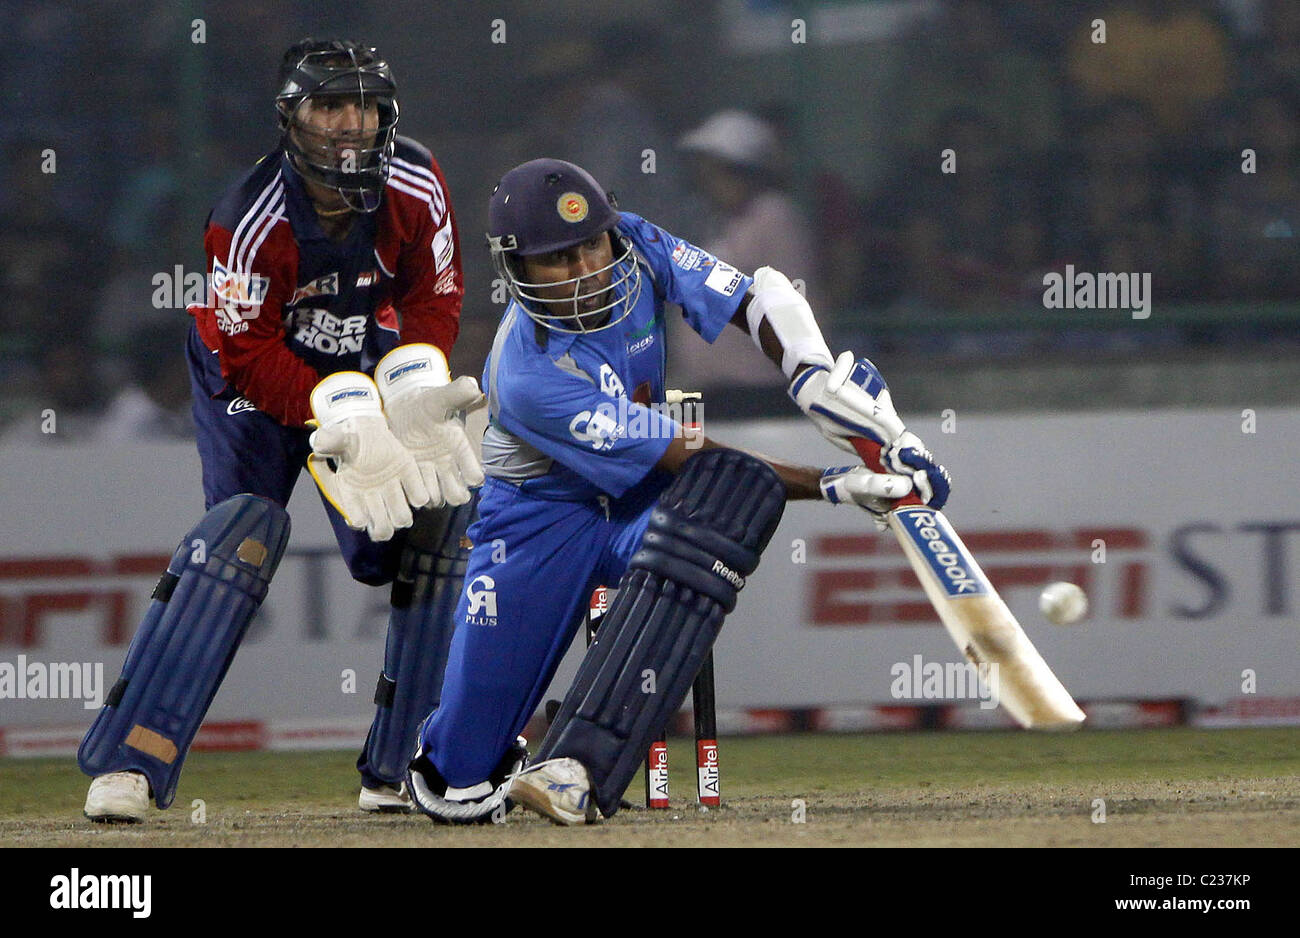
1063, 603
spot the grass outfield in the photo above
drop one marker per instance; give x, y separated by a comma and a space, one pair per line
1171, 787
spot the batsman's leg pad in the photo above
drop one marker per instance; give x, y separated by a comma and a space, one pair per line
200, 610
420, 626
703, 539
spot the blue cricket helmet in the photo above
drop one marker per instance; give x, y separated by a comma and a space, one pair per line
548, 205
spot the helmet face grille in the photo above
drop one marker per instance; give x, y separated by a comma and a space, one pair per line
354, 163
619, 297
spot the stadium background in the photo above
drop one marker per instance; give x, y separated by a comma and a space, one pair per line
1119, 157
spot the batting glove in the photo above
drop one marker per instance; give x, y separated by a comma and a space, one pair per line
908, 455
876, 492
848, 400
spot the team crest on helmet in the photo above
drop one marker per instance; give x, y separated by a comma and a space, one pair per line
572, 207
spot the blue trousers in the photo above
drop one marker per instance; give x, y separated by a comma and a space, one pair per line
244, 450
534, 564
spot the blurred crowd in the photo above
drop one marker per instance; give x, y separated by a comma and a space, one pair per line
1128, 154
1122, 156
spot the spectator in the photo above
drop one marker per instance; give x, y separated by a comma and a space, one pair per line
154, 407
46, 260
1123, 210
968, 239
753, 222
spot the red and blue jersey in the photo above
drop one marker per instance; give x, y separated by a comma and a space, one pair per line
287, 305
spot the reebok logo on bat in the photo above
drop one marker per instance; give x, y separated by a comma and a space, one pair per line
731, 576
937, 544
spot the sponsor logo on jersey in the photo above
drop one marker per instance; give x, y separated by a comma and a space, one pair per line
241, 288
572, 207
610, 382
600, 428
321, 286
687, 257
229, 321
482, 596
368, 278
239, 405
639, 341
723, 279
322, 331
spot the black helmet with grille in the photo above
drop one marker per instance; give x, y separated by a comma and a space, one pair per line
352, 160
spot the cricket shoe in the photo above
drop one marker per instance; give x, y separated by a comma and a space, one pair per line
559, 789
483, 803
118, 797
385, 799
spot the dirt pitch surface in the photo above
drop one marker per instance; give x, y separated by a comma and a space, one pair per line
1160, 788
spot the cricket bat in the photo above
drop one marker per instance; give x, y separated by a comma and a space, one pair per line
974, 614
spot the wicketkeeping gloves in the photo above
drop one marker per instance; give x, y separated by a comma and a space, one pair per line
424, 409
375, 481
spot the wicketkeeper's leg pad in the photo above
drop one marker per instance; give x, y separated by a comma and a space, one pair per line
420, 627
703, 539
200, 611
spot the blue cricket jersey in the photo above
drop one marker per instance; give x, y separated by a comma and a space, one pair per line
569, 419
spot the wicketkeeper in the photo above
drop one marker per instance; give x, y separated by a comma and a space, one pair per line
335, 258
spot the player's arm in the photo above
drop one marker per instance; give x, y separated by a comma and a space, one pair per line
846, 397
854, 485
801, 482
429, 285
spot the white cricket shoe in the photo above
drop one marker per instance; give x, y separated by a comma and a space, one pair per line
118, 797
559, 789
386, 799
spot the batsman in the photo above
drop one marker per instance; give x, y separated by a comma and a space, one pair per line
590, 479
334, 259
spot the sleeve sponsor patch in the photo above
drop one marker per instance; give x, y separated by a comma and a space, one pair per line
688, 258
724, 279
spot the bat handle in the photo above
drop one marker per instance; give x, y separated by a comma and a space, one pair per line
869, 451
